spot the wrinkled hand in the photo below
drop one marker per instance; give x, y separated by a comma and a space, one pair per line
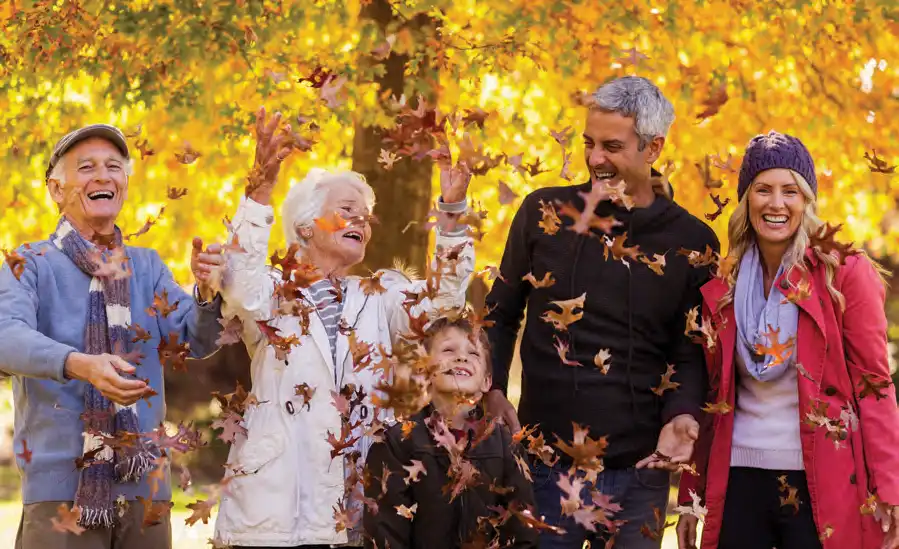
891, 528
454, 181
686, 532
102, 371
499, 406
675, 444
207, 266
272, 147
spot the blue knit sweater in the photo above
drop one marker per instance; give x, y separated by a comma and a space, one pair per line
43, 316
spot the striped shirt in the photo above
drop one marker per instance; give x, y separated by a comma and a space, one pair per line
324, 297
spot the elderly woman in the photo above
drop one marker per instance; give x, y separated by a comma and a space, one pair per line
287, 475
805, 438
74, 309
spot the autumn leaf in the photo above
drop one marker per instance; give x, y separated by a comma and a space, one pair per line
719, 205
550, 221
544, 282
415, 470
406, 512
173, 353
281, 344
619, 250
187, 155
346, 440
791, 497
799, 293
112, 264
148, 224
585, 451
506, 194
657, 531
873, 387
823, 240
561, 320
720, 407
666, 383
161, 305
202, 510
714, 102
656, 264
174, 193
779, 352
144, 147
16, 263
231, 426
699, 259
877, 164
139, 334
603, 360
388, 159
331, 223
330, 91
694, 509
154, 511
25, 454
66, 520
232, 328
562, 349
287, 263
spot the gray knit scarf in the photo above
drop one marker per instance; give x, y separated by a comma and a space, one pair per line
109, 315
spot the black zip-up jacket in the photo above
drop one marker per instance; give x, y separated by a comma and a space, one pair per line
636, 314
438, 523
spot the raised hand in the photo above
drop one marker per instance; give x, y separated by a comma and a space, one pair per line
272, 147
207, 266
454, 181
675, 445
104, 373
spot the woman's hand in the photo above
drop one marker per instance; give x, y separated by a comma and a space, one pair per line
271, 150
686, 532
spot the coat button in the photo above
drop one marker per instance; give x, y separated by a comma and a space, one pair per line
852, 478
289, 407
830, 391
784, 284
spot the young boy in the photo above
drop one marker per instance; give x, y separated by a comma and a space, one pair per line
447, 477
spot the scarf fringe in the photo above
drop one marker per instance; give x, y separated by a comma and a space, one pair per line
134, 467
92, 518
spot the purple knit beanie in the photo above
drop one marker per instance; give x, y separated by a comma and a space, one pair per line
776, 150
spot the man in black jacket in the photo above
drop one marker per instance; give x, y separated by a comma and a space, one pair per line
601, 356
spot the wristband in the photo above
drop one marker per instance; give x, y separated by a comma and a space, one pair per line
452, 207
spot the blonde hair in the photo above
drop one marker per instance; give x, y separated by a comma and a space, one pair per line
741, 236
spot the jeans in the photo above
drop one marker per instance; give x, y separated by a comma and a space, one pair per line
754, 517
638, 491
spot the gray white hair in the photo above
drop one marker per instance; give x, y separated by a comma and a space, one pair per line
638, 98
306, 199
59, 170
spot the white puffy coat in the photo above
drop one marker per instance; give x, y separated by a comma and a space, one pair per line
290, 483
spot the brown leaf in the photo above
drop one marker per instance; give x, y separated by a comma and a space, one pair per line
506, 194
823, 240
147, 225
66, 520
873, 387
877, 164
16, 263
161, 305
561, 320
174, 193
173, 353
720, 407
154, 511
544, 282
603, 360
550, 221
719, 205
202, 510
666, 382
656, 264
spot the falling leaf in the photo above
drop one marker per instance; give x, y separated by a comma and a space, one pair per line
585, 451
562, 349
16, 263
346, 440
705, 171
805, 373
231, 426
388, 159
232, 328
187, 155
331, 223
666, 382
331, 89
154, 511
144, 147
826, 532
406, 512
66, 520
550, 221
506, 194
714, 102
174, 193
823, 240
656, 264
799, 293
656, 532
619, 250
561, 136
792, 494
872, 387
877, 164
173, 353
699, 259
112, 264
25, 454
415, 470
561, 320
719, 205
544, 282
148, 224
695, 509
779, 352
202, 510
603, 360
720, 407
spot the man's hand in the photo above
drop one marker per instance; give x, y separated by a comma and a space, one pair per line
675, 444
102, 371
686, 532
499, 406
891, 528
207, 266
271, 150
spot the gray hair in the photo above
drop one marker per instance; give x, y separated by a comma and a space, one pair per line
306, 199
638, 98
59, 170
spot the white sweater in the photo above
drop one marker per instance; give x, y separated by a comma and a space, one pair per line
766, 422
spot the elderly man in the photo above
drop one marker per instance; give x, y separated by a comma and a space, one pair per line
624, 324
71, 307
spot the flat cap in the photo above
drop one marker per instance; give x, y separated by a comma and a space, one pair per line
110, 133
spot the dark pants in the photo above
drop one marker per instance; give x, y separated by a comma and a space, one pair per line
636, 490
754, 517
294, 547
36, 531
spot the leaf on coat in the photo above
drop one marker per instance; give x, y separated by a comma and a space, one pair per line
161, 305
550, 221
656, 264
231, 426
799, 293
708, 334
804, 373
139, 334
66, 520
372, 285
603, 360
25, 454
16, 263
561, 320
666, 383
281, 344
779, 352
406, 512
304, 391
346, 440
562, 350
870, 386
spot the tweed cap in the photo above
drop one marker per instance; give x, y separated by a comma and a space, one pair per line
110, 133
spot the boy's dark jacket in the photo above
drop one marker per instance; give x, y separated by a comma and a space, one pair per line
634, 313
437, 523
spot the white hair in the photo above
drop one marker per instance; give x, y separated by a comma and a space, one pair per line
306, 199
59, 171
638, 98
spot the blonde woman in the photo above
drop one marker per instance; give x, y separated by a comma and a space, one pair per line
801, 340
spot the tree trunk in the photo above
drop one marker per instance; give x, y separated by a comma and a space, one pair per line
403, 193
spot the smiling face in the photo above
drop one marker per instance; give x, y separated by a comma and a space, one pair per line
461, 363
345, 247
776, 206
95, 187
611, 149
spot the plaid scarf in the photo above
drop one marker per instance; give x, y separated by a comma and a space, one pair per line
109, 315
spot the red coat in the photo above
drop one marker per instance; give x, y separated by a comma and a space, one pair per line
836, 348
